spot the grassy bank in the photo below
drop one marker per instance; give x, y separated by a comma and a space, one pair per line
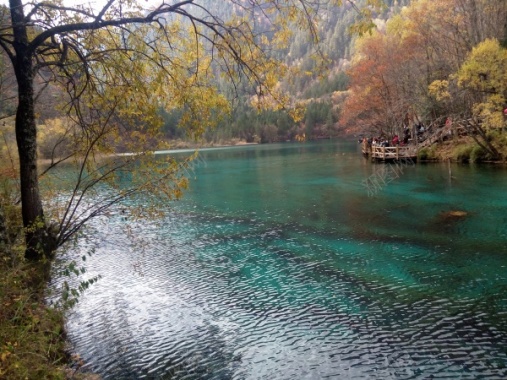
464, 150
32, 344
32, 341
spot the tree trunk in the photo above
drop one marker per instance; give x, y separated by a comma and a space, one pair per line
484, 143
26, 137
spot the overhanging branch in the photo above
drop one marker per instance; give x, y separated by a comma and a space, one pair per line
98, 23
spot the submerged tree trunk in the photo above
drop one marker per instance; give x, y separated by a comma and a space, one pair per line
26, 137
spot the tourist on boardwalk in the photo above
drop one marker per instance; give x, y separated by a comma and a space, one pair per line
406, 135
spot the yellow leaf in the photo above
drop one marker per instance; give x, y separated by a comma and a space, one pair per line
4, 355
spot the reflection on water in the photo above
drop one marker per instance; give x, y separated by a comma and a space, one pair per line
277, 265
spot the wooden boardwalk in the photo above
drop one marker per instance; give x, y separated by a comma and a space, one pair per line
390, 153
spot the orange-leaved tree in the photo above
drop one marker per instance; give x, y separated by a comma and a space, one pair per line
399, 71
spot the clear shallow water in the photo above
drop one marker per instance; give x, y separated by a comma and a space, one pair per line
278, 265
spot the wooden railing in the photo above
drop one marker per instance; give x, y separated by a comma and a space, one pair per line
390, 152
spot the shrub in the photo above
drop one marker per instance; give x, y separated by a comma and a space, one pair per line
423, 154
269, 134
499, 139
427, 153
462, 153
478, 154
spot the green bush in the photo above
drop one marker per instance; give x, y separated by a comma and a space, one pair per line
462, 153
478, 154
499, 139
426, 154
423, 154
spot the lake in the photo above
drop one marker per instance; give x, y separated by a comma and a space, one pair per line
303, 261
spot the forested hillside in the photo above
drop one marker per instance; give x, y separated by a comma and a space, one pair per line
318, 81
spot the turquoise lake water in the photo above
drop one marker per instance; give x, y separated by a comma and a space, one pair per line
303, 261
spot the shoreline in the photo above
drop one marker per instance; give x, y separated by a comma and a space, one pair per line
180, 148
440, 152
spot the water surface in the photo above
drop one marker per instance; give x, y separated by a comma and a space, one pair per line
282, 262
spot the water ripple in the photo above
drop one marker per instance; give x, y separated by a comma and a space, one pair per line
236, 302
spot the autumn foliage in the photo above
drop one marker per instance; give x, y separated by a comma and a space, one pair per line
424, 67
